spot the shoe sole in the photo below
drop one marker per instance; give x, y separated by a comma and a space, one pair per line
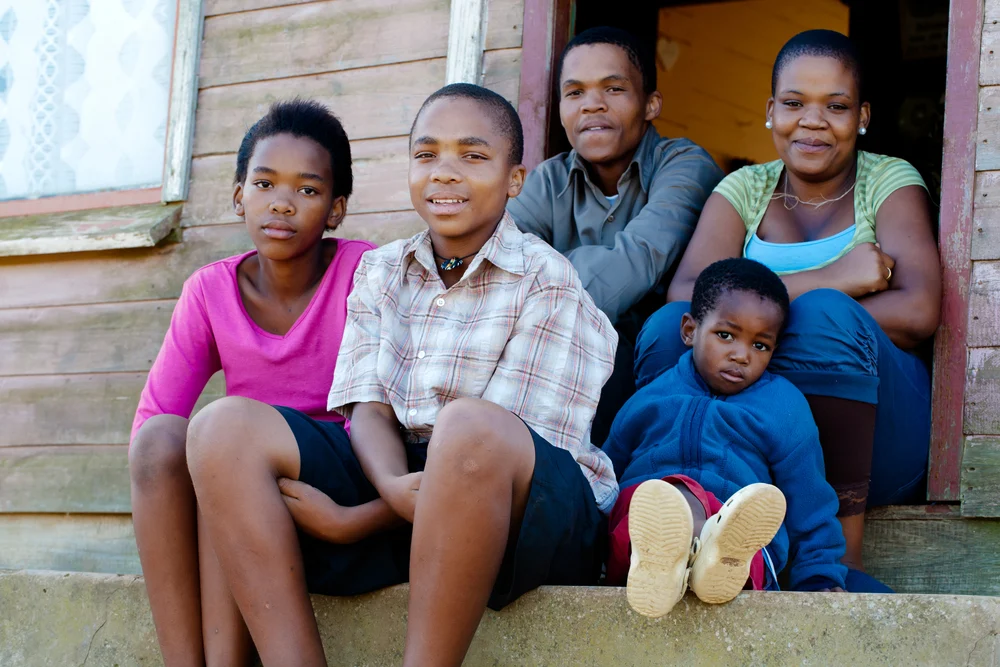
660, 527
745, 524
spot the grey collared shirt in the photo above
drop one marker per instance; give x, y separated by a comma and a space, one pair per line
621, 249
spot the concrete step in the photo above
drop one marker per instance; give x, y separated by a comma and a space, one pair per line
53, 619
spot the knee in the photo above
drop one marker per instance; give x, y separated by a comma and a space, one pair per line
157, 451
666, 321
828, 306
217, 431
469, 437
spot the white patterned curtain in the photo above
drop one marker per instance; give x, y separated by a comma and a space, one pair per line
84, 89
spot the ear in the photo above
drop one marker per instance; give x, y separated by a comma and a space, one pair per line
238, 200
866, 115
516, 180
654, 105
688, 326
769, 109
337, 212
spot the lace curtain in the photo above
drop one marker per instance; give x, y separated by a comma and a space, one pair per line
84, 89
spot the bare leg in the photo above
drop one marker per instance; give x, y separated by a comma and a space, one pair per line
237, 448
163, 513
227, 640
854, 535
847, 433
480, 463
697, 509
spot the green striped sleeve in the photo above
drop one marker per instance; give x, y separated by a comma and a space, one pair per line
888, 176
737, 188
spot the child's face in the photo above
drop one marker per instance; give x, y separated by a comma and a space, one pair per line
602, 105
460, 172
287, 198
734, 342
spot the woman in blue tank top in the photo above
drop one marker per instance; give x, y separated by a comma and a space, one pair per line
851, 235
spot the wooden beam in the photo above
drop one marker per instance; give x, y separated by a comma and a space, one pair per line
981, 477
965, 29
546, 31
982, 392
466, 37
86, 480
372, 102
336, 35
93, 338
157, 273
75, 409
986, 218
79, 231
68, 542
931, 549
984, 305
183, 100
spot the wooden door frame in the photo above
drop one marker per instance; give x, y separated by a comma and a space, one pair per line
547, 25
958, 177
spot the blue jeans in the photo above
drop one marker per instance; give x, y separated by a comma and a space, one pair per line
831, 346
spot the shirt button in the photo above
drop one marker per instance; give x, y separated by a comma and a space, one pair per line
611, 218
420, 354
413, 411
440, 302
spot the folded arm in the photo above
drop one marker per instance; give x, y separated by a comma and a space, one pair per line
617, 277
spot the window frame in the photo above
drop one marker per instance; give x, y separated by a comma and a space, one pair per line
188, 23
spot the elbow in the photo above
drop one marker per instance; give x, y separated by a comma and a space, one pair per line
680, 289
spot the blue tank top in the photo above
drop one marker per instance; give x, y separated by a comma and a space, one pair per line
794, 257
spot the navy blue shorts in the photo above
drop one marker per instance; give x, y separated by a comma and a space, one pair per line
561, 541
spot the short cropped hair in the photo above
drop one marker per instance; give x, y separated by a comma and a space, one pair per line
823, 43
638, 55
502, 114
737, 275
302, 118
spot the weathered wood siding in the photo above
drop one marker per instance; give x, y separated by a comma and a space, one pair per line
78, 332
980, 481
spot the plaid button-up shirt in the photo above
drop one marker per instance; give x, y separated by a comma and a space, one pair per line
518, 330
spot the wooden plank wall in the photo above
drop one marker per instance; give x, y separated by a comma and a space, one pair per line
980, 480
78, 332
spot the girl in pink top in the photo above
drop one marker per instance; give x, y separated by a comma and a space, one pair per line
272, 320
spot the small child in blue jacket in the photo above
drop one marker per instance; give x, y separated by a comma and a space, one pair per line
718, 425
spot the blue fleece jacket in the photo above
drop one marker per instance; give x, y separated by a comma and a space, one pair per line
765, 433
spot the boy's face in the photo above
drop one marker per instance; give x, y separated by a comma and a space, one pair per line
460, 172
287, 198
602, 105
734, 342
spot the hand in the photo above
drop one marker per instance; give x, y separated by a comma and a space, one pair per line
835, 589
313, 511
864, 270
401, 494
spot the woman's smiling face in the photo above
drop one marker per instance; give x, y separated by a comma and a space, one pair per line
816, 113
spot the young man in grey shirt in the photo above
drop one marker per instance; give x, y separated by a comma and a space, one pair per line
622, 205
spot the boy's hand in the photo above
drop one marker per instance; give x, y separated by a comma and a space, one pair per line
313, 511
835, 589
401, 494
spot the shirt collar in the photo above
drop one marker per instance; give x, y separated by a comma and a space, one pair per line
642, 162
504, 249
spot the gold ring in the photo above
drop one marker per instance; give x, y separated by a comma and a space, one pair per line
888, 277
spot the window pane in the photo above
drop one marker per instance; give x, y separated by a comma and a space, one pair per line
84, 88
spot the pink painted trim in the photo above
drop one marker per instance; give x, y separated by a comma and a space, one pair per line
958, 174
82, 202
546, 28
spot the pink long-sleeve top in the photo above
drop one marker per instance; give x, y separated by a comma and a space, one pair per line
210, 330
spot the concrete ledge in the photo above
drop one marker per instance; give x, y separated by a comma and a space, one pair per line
51, 618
